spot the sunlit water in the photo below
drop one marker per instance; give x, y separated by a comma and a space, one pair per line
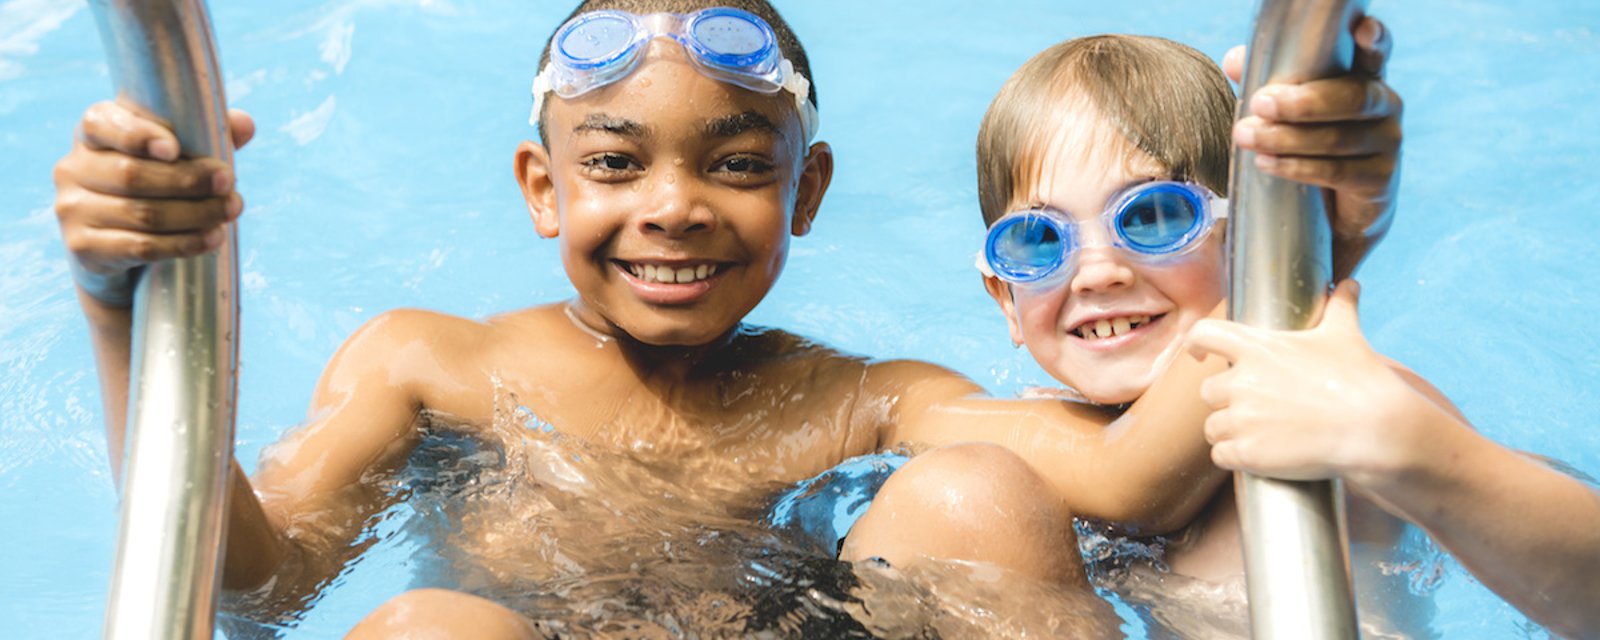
381, 178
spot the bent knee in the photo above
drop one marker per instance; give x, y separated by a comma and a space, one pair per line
973, 502
442, 613
973, 484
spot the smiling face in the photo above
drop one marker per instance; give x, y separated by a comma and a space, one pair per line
1109, 327
673, 196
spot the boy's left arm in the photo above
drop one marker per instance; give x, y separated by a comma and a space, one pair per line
1321, 404
1146, 469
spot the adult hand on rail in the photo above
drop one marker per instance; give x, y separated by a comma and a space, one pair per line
126, 197
1340, 133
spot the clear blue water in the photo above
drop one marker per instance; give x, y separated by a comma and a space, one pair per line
381, 178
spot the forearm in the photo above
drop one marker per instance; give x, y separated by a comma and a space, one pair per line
110, 332
1524, 530
256, 546
1154, 466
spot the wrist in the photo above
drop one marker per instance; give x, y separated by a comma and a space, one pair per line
113, 290
1421, 454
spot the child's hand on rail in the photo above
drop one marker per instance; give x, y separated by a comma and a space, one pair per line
1340, 133
125, 197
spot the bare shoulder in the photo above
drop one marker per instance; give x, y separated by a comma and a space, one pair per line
918, 378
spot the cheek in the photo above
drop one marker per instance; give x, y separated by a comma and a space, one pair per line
1039, 315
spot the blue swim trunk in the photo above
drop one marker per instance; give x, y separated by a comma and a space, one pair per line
822, 509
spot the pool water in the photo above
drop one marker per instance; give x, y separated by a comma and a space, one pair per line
381, 178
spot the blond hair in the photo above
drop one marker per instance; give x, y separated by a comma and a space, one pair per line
1164, 98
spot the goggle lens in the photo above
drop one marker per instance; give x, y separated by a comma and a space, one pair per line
597, 40
1026, 248
727, 35
1158, 221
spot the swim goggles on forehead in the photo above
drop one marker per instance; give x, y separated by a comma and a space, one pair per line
1150, 222
730, 45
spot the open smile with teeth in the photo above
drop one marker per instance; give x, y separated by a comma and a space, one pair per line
668, 274
1110, 327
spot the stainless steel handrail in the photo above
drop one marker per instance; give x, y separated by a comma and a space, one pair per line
1296, 564
185, 346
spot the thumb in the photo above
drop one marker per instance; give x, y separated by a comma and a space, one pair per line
1230, 340
1373, 45
241, 126
1233, 64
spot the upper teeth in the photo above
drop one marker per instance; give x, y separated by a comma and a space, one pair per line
671, 275
1110, 327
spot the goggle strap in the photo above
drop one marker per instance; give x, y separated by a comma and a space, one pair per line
793, 81
541, 88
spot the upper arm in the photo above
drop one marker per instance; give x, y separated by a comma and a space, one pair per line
364, 412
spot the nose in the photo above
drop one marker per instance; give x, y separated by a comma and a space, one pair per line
675, 209
1101, 268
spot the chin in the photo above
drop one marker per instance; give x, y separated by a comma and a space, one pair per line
1123, 389
682, 336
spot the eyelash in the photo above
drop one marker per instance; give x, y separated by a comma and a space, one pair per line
755, 165
603, 162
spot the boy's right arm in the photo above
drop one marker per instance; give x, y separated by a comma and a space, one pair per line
125, 199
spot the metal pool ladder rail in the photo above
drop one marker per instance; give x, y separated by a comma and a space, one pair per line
182, 384
1279, 245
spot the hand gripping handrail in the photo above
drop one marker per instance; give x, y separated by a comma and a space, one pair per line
185, 346
1279, 246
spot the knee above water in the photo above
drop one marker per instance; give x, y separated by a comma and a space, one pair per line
975, 480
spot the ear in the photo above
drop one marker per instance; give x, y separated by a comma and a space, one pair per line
538, 187
814, 180
1001, 292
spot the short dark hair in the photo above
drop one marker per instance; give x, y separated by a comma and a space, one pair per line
787, 42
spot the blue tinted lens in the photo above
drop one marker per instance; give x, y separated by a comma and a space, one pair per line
1160, 220
732, 38
597, 39
1025, 248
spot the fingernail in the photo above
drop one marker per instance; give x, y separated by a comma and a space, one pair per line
1266, 162
235, 205
222, 181
1264, 104
214, 238
1369, 32
164, 149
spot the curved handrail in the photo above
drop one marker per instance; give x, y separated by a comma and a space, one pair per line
1280, 247
182, 382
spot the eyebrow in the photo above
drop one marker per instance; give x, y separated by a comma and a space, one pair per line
732, 125
602, 123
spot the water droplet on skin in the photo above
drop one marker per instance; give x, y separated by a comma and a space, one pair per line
634, 187
671, 179
677, 162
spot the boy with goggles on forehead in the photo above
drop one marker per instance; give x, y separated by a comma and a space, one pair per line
673, 217
1104, 254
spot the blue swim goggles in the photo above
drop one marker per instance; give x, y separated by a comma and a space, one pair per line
1152, 222
729, 45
